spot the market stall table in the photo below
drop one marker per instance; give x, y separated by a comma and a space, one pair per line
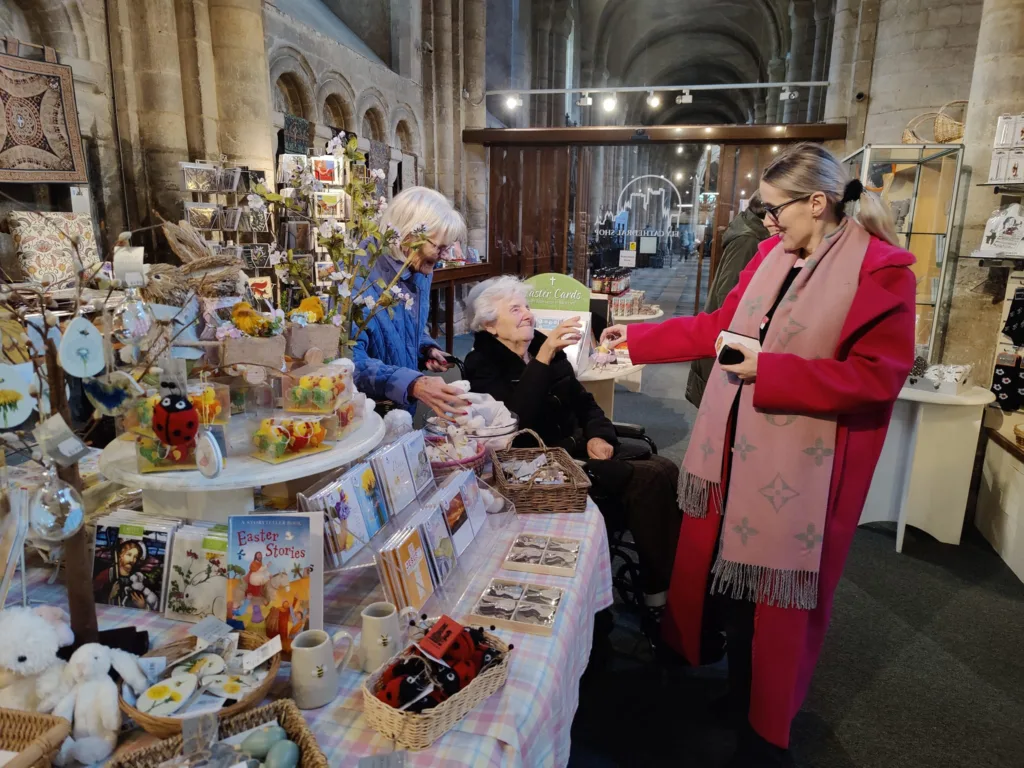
600, 382
634, 381
527, 723
188, 494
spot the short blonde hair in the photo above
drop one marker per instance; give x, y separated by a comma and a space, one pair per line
482, 302
423, 207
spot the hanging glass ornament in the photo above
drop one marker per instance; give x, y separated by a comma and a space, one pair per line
133, 319
56, 511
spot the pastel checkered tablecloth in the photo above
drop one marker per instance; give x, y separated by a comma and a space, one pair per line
527, 723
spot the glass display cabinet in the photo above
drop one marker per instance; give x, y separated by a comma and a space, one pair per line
920, 183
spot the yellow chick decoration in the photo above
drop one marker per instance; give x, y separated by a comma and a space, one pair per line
311, 307
248, 320
206, 404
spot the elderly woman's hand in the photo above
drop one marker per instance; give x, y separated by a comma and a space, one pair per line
435, 360
443, 399
565, 334
747, 370
599, 449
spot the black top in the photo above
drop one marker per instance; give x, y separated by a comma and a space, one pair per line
548, 399
767, 319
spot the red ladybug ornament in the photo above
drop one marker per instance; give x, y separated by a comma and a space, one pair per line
175, 421
466, 672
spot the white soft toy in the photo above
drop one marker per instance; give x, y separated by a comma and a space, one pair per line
30, 672
91, 705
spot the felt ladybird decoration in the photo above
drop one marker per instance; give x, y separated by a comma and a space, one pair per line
450, 682
466, 672
461, 649
175, 421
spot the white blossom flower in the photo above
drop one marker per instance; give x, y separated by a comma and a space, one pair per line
337, 320
254, 201
325, 229
410, 302
378, 174
369, 302
336, 143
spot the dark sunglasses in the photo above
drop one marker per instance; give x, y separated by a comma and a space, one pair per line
775, 210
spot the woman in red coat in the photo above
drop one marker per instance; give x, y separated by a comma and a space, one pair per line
785, 443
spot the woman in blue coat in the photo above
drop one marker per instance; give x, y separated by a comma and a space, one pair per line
388, 353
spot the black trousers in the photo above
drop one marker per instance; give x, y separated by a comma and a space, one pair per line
641, 496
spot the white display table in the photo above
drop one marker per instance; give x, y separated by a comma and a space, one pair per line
924, 473
600, 382
630, 319
189, 494
633, 381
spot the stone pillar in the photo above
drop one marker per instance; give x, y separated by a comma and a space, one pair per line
822, 29
776, 74
760, 107
406, 38
444, 95
243, 82
475, 155
853, 56
798, 65
198, 79
558, 102
541, 66
998, 81
429, 99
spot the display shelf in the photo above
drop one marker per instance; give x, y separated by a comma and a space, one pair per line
997, 259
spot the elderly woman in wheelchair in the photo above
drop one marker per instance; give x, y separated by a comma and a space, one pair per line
633, 487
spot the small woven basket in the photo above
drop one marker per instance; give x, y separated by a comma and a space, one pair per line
910, 134
419, 731
35, 737
445, 468
570, 496
949, 130
1018, 434
284, 711
165, 727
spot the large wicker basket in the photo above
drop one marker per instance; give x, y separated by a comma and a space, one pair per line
419, 731
910, 132
949, 130
476, 462
36, 738
284, 711
165, 727
570, 496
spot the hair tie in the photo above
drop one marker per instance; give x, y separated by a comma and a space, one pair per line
853, 191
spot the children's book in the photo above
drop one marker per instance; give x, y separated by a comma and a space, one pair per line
197, 583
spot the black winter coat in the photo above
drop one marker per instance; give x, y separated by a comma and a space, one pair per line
548, 399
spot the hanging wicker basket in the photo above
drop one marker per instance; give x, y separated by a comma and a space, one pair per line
949, 130
910, 133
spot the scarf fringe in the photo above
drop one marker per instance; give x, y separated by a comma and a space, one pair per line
695, 493
768, 586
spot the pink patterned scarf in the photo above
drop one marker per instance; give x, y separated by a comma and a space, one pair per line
781, 462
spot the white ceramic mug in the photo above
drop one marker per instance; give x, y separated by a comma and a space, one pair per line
383, 633
314, 670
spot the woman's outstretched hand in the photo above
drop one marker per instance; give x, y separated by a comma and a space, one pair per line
614, 335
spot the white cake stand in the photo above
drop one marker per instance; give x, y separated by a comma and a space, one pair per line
188, 494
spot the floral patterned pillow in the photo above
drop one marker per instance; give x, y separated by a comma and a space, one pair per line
46, 253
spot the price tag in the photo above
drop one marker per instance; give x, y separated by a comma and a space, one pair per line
254, 658
211, 629
129, 267
627, 258
57, 441
152, 667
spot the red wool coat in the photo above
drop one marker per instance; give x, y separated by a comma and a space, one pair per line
874, 356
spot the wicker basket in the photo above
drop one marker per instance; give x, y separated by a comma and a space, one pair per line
947, 129
36, 738
284, 711
444, 468
910, 134
165, 727
531, 497
419, 731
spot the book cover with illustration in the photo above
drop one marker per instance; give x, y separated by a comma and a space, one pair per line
453, 505
275, 573
197, 583
414, 571
129, 565
361, 487
438, 541
393, 474
343, 502
419, 463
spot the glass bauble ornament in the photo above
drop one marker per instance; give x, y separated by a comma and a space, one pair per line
56, 511
133, 319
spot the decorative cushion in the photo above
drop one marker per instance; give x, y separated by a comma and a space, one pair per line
45, 252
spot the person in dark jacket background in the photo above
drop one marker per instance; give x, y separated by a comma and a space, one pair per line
530, 373
739, 244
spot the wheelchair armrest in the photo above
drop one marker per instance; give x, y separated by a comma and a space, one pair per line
623, 429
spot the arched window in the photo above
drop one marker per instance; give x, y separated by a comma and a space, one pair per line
289, 96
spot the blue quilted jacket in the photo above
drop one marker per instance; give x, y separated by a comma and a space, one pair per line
388, 352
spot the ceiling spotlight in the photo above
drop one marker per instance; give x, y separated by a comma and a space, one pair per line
608, 105
750, 175
653, 100
743, 193
787, 95
684, 98
679, 149
513, 101
707, 147
679, 175
586, 100
775, 149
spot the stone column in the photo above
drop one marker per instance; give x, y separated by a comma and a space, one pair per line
541, 66
444, 95
998, 81
853, 56
475, 155
819, 67
558, 103
406, 34
776, 74
760, 107
243, 82
429, 99
198, 80
798, 65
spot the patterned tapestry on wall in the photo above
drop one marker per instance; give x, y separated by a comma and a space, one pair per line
380, 157
298, 135
40, 141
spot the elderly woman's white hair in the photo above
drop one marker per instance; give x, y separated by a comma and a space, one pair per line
421, 206
482, 302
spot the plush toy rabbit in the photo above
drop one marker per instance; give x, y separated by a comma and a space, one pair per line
30, 672
91, 705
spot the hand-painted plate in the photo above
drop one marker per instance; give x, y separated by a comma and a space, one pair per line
16, 403
230, 686
166, 697
201, 666
81, 349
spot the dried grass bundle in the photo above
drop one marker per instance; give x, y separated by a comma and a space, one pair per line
186, 241
166, 284
211, 262
221, 282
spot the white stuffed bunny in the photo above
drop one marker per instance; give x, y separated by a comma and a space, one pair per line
92, 704
30, 672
